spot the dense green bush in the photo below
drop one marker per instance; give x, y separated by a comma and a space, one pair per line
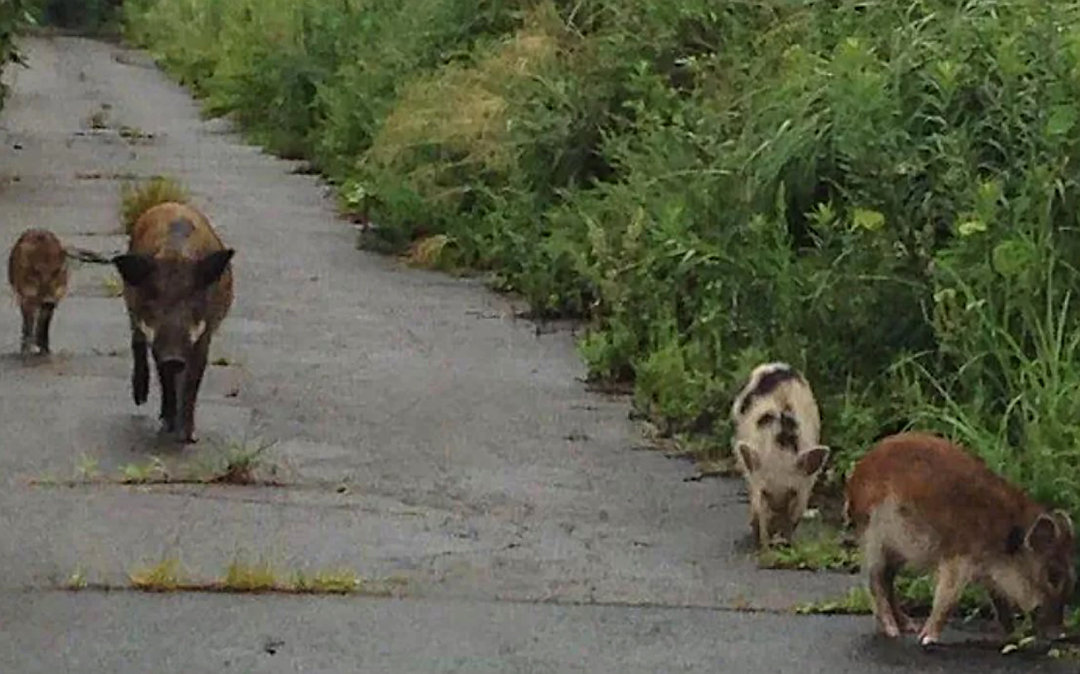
14, 16
84, 15
883, 194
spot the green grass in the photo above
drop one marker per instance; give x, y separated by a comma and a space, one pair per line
826, 551
915, 594
882, 194
243, 576
137, 198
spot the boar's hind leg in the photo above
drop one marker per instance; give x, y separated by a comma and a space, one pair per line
903, 620
27, 327
952, 576
881, 575
192, 380
140, 375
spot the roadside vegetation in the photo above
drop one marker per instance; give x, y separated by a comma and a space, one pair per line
15, 17
883, 194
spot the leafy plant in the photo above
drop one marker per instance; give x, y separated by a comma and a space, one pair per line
882, 194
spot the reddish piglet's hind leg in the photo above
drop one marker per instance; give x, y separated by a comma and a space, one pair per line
44, 320
27, 327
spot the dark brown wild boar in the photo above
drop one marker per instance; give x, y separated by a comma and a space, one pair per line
38, 273
178, 288
916, 499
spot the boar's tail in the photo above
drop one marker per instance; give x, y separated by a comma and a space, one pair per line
83, 255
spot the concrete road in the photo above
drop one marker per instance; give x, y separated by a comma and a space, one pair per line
423, 434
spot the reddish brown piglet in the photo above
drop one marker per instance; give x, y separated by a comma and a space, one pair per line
918, 500
38, 273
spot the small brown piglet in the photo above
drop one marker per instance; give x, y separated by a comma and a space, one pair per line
38, 273
918, 500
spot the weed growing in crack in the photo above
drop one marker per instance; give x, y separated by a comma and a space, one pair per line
113, 286
236, 464
76, 581
339, 581
98, 120
240, 463
243, 577
828, 551
161, 577
915, 593
87, 468
153, 471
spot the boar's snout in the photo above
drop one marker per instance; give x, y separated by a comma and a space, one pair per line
173, 365
1050, 620
49, 304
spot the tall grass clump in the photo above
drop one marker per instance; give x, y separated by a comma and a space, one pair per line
15, 16
883, 194
137, 198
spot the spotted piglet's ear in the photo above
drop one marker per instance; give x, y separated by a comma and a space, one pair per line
813, 460
748, 456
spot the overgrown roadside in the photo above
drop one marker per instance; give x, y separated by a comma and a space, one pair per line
880, 194
532, 536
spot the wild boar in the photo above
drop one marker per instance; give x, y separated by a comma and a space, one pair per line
776, 443
178, 287
38, 273
918, 500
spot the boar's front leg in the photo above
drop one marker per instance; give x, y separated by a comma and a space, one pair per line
1003, 610
168, 377
140, 376
192, 380
952, 576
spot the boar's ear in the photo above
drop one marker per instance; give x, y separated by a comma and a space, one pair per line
812, 460
134, 268
1065, 522
211, 267
748, 456
1042, 534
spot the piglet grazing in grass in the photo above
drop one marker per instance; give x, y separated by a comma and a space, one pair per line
178, 287
38, 273
777, 425
918, 500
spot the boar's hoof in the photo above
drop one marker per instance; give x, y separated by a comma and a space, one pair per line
927, 640
140, 391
